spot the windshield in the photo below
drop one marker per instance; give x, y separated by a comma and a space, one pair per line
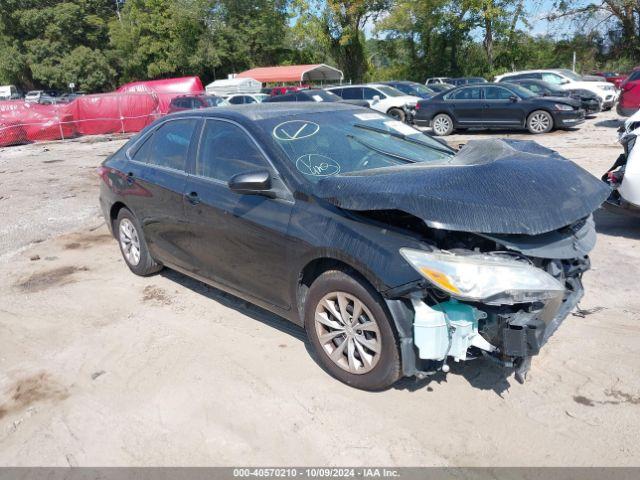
260, 96
521, 91
389, 91
414, 88
320, 145
323, 96
570, 74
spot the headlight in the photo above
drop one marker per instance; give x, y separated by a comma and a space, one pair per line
479, 277
563, 107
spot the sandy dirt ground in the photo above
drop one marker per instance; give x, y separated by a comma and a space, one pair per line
99, 367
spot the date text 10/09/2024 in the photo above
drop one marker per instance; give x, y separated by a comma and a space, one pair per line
316, 472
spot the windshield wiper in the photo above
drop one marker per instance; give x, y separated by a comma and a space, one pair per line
404, 137
380, 151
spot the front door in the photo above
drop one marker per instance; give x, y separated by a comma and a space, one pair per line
500, 109
239, 241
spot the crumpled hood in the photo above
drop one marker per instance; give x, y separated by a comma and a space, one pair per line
490, 186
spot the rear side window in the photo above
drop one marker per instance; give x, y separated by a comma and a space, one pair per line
236, 100
497, 93
470, 93
226, 150
352, 93
169, 145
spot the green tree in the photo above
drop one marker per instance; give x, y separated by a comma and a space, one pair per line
39, 41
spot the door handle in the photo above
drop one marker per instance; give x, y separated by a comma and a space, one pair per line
130, 178
192, 198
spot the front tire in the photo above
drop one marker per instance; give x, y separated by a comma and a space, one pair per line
539, 122
351, 332
398, 114
442, 125
133, 245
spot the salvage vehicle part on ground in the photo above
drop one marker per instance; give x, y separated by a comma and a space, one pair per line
497, 105
396, 253
624, 174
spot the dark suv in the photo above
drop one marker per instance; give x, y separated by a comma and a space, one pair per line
393, 251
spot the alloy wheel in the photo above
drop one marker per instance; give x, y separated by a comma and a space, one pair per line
348, 333
129, 241
539, 122
441, 125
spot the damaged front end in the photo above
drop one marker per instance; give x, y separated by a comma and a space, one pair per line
506, 229
501, 297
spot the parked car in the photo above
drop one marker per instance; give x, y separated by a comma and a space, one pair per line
190, 102
9, 92
466, 81
411, 88
363, 230
567, 80
589, 101
70, 97
380, 97
266, 90
437, 80
44, 97
612, 77
441, 87
624, 175
314, 95
245, 98
629, 101
497, 105
286, 89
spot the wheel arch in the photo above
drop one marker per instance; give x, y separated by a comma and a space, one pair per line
114, 211
316, 266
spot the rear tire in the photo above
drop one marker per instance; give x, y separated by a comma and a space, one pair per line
539, 121
442, 125
361, 352
397, 113
133, 245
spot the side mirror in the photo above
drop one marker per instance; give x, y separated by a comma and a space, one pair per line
376, 98
513, 98
252, 183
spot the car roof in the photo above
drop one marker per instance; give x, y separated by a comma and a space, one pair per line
264, 111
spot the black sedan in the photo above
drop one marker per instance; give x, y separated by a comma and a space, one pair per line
360, 229
589, 101
497, 105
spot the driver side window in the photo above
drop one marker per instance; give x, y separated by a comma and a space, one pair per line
226, 150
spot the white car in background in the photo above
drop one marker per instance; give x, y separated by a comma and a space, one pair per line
382, 98
245, 98
567, 80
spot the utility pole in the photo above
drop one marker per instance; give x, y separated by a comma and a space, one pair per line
574, 61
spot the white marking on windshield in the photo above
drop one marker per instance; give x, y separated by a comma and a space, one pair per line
295, 130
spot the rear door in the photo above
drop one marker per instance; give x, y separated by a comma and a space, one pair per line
156, 178
238, 241
467, 105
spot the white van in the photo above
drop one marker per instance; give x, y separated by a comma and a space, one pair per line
9, 92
